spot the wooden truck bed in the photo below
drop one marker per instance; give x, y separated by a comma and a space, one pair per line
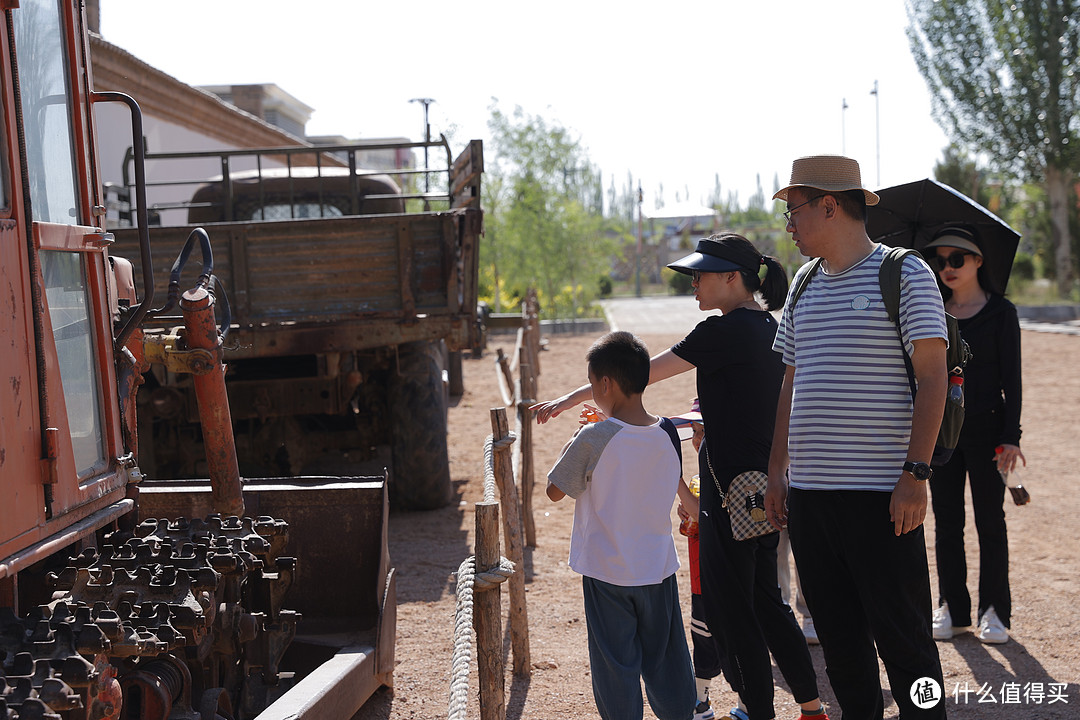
330, 285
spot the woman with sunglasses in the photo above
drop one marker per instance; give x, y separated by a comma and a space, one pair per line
738, 384
992, 400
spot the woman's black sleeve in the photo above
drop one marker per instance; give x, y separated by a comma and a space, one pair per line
1009, 359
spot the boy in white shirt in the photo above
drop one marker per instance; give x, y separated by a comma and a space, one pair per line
624, 473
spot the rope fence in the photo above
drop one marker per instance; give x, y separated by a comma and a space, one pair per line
480, 577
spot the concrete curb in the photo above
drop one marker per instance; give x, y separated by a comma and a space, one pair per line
1048, 313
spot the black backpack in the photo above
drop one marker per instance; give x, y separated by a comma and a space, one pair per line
956, 357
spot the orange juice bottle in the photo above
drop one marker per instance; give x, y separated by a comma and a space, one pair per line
689, 526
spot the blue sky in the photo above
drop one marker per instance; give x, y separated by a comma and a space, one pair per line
675, 93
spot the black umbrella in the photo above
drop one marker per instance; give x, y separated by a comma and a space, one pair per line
908, 216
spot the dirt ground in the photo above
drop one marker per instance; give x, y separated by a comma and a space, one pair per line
1034, 676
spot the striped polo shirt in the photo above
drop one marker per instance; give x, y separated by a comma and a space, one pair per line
851, 402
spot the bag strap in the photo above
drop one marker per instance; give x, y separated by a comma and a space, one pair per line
673, 435
803, 282
712, 473
889, 283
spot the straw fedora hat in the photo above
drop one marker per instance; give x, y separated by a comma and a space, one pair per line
834, 173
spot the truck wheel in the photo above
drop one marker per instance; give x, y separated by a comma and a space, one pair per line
457, 380
421, 473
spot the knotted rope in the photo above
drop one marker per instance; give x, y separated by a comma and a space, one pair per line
468, 581
490, 445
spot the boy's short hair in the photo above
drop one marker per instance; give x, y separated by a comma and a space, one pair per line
622, 357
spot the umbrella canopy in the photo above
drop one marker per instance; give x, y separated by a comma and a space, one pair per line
908, 216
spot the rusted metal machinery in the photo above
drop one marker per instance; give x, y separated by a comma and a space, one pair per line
349, 293
121, 597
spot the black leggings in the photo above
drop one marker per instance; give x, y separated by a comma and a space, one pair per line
987, 500
743, 607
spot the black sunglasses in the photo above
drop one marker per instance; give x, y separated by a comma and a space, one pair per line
956, 260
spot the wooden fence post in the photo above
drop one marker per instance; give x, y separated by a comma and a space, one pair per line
487, 616
531, 317
504, 478
528, 398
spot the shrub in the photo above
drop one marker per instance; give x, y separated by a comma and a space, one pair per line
1023, 266
679, 283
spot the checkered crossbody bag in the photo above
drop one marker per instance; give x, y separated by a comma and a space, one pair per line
745, 502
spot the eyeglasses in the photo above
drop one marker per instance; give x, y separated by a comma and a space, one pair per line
956, 260
790, 211
695, 276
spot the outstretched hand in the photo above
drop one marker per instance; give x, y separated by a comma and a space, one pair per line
553, 408
548, 409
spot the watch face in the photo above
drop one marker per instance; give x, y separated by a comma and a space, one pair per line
920, 470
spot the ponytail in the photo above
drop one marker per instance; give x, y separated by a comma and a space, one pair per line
774, 285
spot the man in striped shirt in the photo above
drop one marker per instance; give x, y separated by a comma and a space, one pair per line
848, 467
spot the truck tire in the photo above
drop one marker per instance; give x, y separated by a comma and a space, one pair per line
457, 379
418, 406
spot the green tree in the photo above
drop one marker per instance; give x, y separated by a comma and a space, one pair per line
961, 172
1005, 82
544, 215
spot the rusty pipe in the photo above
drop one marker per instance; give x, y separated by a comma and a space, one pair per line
197, 306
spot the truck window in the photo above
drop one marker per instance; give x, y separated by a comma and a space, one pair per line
46, 108
300, 211
65, 290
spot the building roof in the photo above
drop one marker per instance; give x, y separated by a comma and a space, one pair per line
679, 211
162, 96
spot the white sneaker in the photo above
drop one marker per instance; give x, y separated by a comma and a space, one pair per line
809, 631
704, 710
991, 630
943, 626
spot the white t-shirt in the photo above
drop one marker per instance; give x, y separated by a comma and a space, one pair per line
851, 402
624, 479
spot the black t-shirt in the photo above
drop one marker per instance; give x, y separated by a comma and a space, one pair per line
738, 384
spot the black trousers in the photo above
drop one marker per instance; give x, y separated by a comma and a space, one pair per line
987, 500
743, 607
866, 587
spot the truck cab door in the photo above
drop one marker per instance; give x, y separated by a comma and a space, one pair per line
77, 384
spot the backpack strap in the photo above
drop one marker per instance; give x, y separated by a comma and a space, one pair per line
889, 283
889, 279
673, 434
804, 281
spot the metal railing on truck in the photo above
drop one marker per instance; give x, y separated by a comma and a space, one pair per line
292, 170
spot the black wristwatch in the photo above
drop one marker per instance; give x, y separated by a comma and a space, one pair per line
919, 470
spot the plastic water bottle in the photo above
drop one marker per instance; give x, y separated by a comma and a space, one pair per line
1011, 478
956, 389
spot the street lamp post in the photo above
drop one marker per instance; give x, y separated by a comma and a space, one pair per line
637, 263
427, 139
877, 131
843, 127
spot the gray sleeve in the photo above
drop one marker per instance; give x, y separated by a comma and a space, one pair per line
573, 471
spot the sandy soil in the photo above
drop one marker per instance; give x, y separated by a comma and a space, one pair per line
1001, 681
